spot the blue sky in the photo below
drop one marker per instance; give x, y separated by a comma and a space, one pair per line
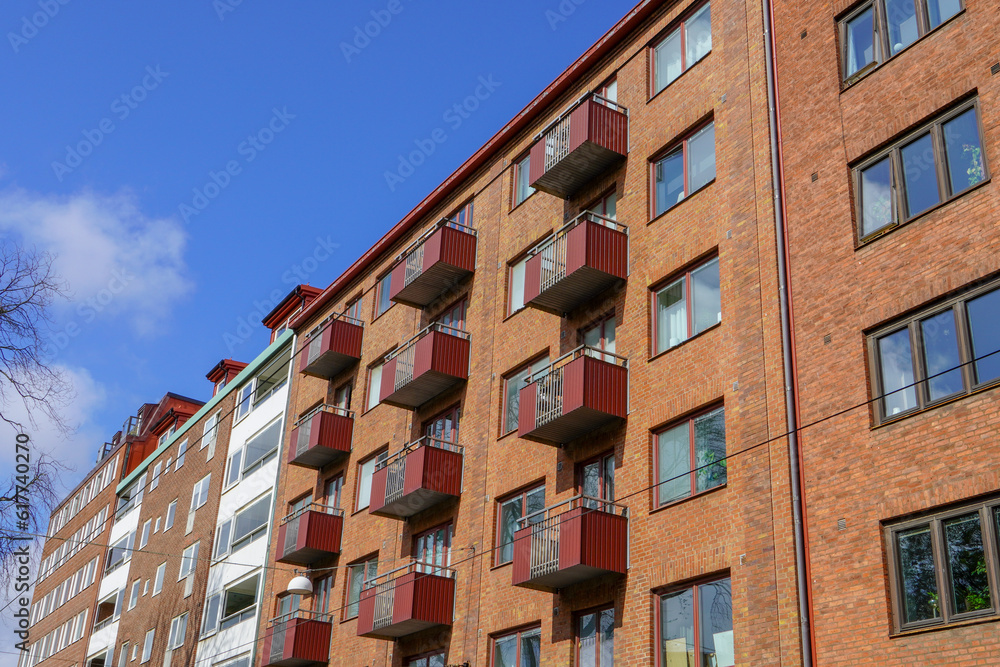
185, 160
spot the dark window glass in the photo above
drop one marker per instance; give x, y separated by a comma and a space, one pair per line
669, 181
984, 325
941, 358
920, 175
903, 28
715, 604
917, 577
970, 586
939, 11
964, 151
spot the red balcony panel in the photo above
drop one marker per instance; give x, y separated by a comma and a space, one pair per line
310, 535
321, 437
423, 474
583, 259
587, 540
414, 598
434, 265
333, 348
576, 394
433, 362
588, 142
298, 641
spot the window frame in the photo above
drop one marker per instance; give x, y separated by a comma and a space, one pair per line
693, 586
518, 635
171, 514
522, 495
577, 617
507, 378
681, 144
243, 614
678, 26
374, 458
380, 365
364, 564
688, 420
971, 385
383, 287
412, 660
189, 560
175, 624
662, 285
521, 164
161, 575
147, 646
898, 189
520, 260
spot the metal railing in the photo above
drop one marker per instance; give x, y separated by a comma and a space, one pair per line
396, 475
314, 339
556, 133
299, 614
406, 353
549, 381
546, 529
553, 249
323, 407
413, 254
312, 507
385, 587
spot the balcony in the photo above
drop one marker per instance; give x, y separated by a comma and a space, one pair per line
310, 535
434, 264
409, 599
429, 364
581, 260
570, 542
296, 640
321, 437
574, 395
422, 474
582, 144
332, 347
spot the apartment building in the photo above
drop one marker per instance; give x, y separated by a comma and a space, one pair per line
890, 127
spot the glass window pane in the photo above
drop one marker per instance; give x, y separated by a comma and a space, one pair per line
677, 628
964, 151
705, 294
715, 611
917, 578
902, 19
588, 640
970, 586
667, 64
984, 325
607, 649
365, 483
671, 316
674, 468
535, 502
374, 385
939, 11
710, 450
699, 35
701, 158
505, 652
897, 372
510, 512
354, 593
941, 358
517, 285
860, 33
919, 175
531, 649
876, 197
669, 181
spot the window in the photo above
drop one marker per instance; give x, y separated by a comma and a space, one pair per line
431, 660
691, 456
879, 29
374, 384
181, 451
161, 570
211, 430
357, 575
509, 512
454, 317
133, 596
171, 512
233, 468
512, 391
147, 646
382, 292
515, 285
178, 628
522, 180
353, 309
144, 539
518, 649
682, 48
444, 426
595, 632
927, 167
606, 206
262, 447
609, 91
433, 547
243, 401
334, 487
365, 471
943, 568
210, 619
189, 561
597, 478
601, 336
687, 306
249, 524
684, 169
199, 495
287, 605
342, 397
696, 625
239, 602
123, 655
155, 482
463, 216
920, 363
119, 552
322, 588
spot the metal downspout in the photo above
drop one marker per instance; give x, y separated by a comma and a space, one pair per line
787, 350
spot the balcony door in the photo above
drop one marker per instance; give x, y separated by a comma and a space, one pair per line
602, 337
342, 397
606, 206
334, 487
597, 480
432, 549
444, 427
454, 317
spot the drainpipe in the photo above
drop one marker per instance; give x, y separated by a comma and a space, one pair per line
803, 587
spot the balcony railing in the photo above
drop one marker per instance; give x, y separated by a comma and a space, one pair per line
427, 365
584, 142
585, 257
321, 437
408, 599
569, 542
422, 474
297, 639
310, 534
574, 395
333, 347
434, 264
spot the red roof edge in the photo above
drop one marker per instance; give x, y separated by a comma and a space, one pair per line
300, 297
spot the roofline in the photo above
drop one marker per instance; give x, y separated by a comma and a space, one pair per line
535, 108
301, 292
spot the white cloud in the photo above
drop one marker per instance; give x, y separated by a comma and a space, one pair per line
113, 257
